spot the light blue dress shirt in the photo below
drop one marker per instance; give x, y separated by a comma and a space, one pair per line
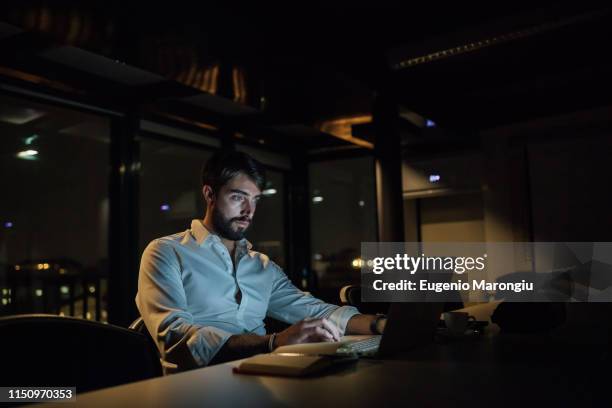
187, 289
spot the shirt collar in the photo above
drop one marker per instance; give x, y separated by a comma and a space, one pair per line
201, 234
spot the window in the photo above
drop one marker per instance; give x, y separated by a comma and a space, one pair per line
170, 188
268, 234
343, 214
54, 212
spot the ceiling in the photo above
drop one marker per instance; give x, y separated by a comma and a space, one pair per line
276, 74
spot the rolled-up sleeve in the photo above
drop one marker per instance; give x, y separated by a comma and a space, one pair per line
290, 305
162, 303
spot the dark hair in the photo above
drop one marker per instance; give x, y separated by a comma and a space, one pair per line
223, 166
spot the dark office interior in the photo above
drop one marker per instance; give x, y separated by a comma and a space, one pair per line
416, 123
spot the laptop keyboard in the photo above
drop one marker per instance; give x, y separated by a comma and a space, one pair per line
361, 347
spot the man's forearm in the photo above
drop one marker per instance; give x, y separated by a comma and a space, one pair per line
361, 324
240, 346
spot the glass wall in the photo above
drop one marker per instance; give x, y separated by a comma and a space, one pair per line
342, 215
268, 233
170, 193
54, 210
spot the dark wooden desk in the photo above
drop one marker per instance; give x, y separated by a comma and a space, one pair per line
497, 371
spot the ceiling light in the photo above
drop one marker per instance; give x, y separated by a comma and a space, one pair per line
27, 154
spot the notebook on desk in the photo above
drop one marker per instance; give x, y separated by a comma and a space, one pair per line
303, 359
291, 364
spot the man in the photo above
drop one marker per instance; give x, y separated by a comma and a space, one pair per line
203, 293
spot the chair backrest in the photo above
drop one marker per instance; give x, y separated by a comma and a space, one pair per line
49, 350
139, 326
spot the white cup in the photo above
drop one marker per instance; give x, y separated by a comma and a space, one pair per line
457, 322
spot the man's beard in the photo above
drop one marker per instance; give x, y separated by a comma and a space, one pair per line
223, 226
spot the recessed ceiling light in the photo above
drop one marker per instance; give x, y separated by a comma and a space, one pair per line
27, 154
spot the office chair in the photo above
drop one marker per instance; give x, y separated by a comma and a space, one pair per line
139, 326
50, 350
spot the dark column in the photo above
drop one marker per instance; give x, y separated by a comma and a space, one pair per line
388, 163
298, 218
123, 231
225, 89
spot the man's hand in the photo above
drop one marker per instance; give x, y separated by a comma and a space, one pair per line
308, 331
